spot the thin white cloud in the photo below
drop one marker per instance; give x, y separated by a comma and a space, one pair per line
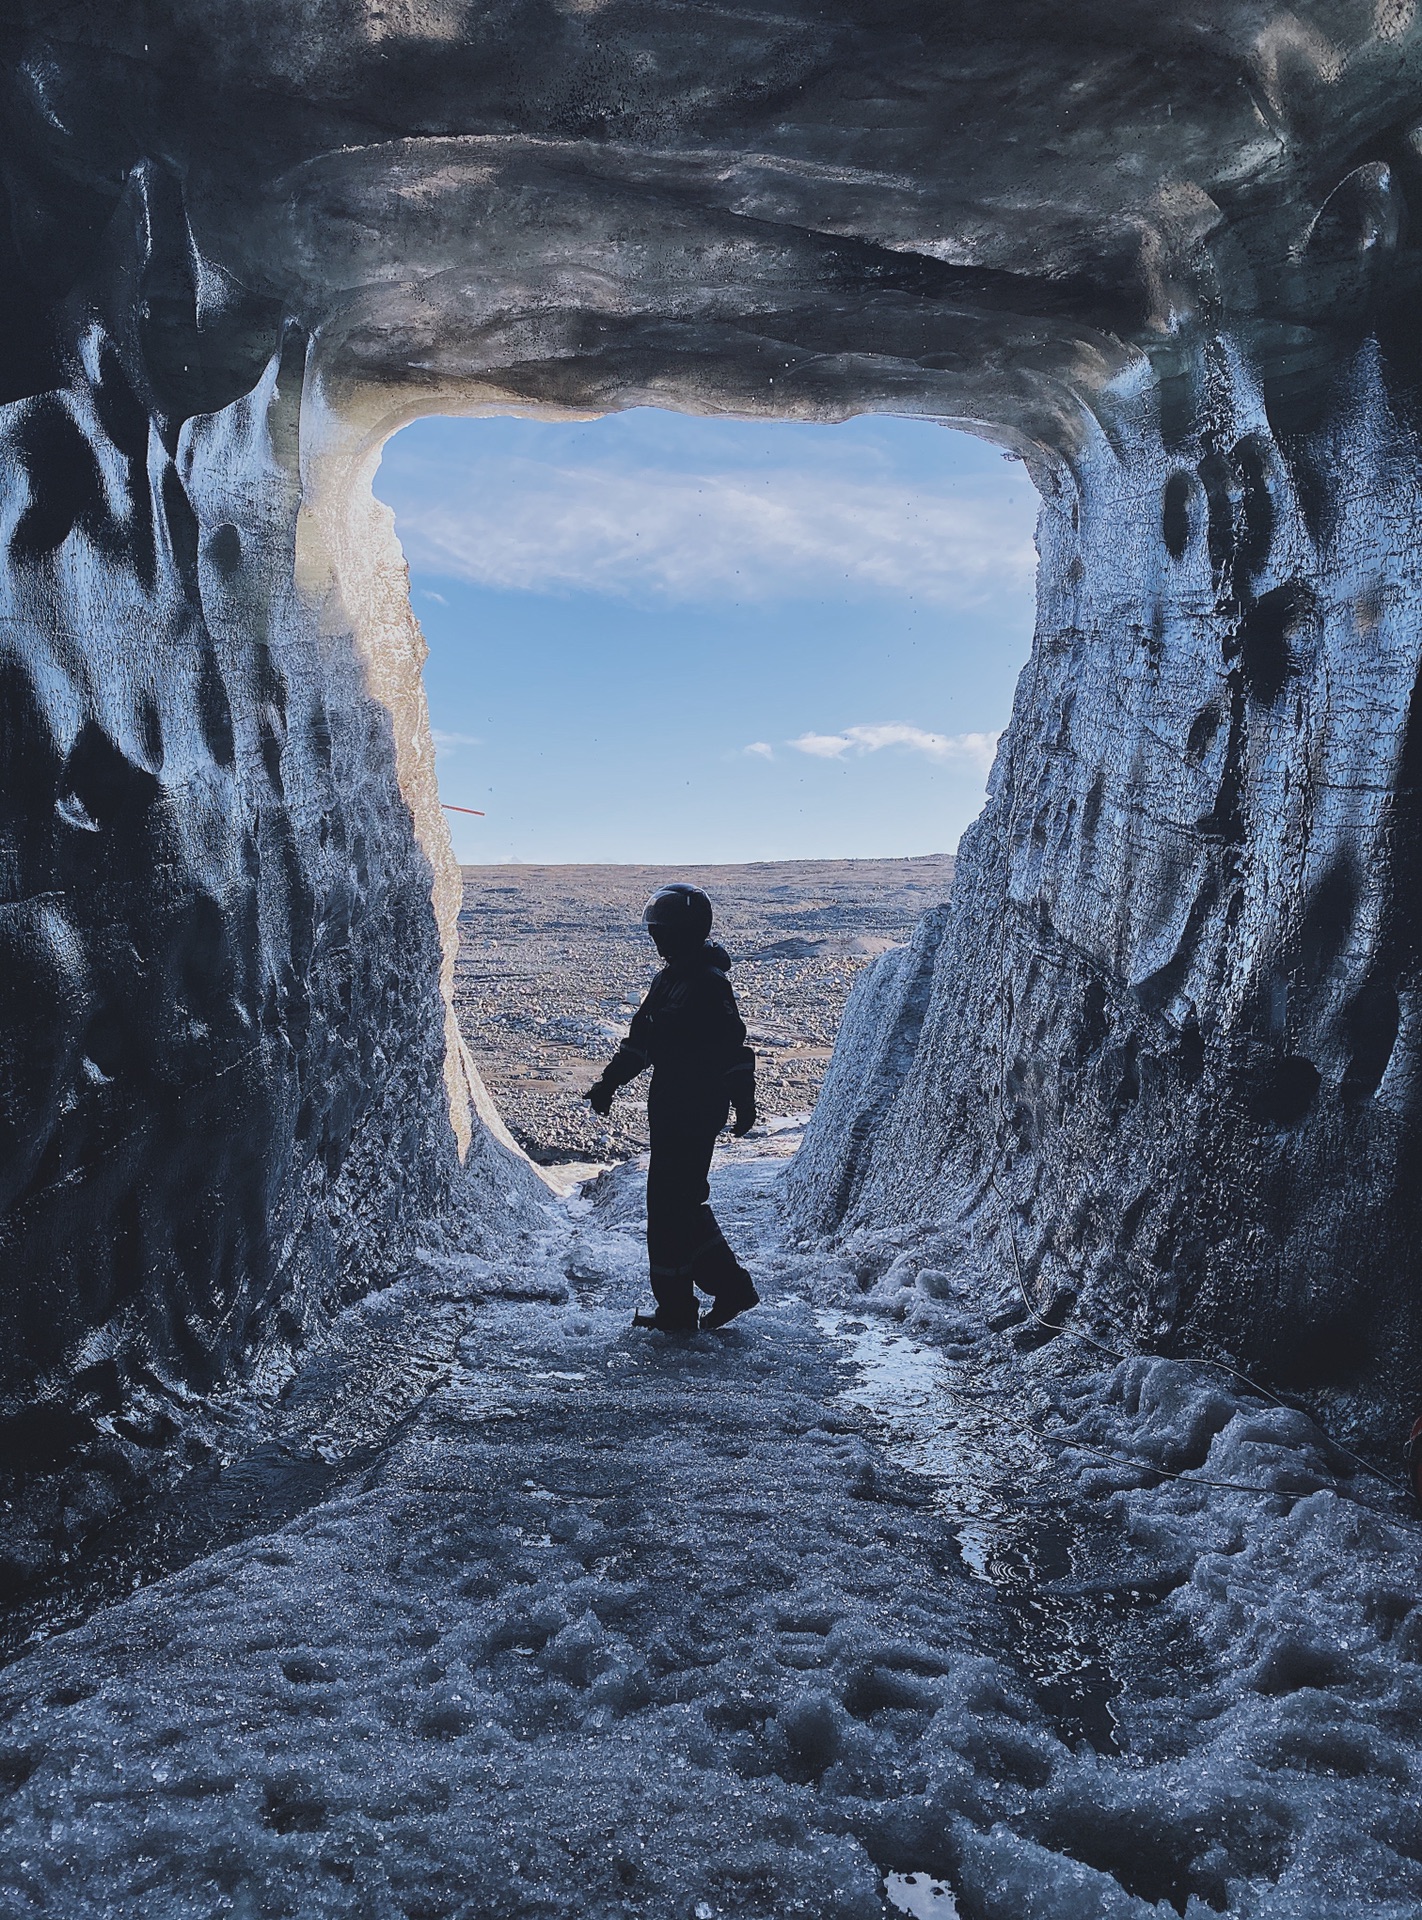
759, 750
752, 534
448, 744
970, 749
428, 593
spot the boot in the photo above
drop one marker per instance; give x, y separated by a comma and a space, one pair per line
665, 1321
729, 1303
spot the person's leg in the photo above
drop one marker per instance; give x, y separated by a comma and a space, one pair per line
713, 1266
685, 1246
674, 1194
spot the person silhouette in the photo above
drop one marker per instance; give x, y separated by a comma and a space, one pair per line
689, 1032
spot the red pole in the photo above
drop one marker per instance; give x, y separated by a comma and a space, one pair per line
453, 809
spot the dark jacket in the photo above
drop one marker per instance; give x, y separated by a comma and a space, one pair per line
689, 1032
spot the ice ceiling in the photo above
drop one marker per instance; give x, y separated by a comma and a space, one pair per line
1169, 1025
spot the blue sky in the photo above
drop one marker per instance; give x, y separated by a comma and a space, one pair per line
660, 638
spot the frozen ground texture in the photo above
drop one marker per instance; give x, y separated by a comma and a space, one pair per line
756, 1624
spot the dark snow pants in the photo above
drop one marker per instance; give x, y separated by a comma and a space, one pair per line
685, 1247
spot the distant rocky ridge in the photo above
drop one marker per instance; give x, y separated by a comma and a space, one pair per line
857, 946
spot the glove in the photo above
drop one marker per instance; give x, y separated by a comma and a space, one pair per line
600, 1097
745, 1119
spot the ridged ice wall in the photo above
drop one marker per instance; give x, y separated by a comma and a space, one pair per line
223, 1039
1172, 260
1170, 1038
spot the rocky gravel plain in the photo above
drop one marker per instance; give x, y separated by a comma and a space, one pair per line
553, 962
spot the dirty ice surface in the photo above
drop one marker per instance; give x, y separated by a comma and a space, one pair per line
855, 1609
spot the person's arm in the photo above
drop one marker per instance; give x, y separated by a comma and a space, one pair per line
741, 1079
630, 1059
740, 1068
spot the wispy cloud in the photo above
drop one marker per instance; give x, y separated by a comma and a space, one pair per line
428, 593
969, 749
759, 750
755, 534
448, 744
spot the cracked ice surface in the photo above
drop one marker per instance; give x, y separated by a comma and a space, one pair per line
811, 1617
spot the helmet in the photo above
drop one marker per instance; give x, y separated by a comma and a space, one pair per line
679, 913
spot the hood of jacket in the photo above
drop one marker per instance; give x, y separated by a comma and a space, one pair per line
709, 954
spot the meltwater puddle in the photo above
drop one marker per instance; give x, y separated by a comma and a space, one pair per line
973, 1445
921, 1896
939, 1426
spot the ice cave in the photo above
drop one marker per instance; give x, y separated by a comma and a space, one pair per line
482, 1609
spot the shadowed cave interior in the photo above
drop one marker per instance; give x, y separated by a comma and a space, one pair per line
1159, 1052
1169, 1015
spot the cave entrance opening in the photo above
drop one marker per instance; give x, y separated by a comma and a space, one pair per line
774, 656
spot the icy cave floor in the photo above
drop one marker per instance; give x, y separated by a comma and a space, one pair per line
841, 1612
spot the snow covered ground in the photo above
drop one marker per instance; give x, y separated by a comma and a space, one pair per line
855, 1608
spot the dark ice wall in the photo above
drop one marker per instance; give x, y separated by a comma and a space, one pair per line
221, 1039
1172, 1037
1172, 258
